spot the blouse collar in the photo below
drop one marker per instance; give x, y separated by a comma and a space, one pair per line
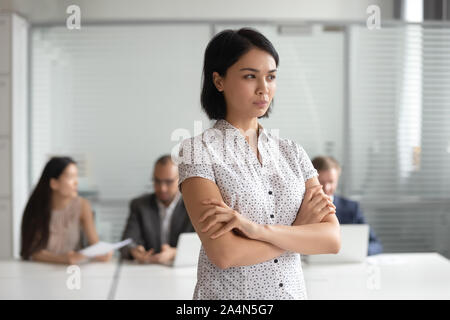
223, 125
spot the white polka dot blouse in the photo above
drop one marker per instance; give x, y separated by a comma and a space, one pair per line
268, 190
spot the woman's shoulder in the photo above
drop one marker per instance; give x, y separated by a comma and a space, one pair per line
83, 201
289, 147
207, 136
285, 144
199, 147
84, 206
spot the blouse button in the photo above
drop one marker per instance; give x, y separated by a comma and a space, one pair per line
281, 285
276, 260
270, 192
272, 216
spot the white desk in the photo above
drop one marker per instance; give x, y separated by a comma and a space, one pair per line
155, 282
386, 276
36, 280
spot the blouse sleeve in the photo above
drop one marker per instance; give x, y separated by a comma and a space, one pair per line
306, 167
194, 161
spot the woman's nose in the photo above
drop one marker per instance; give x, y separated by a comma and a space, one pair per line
262, 88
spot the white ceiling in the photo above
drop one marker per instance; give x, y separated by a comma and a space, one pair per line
54, 11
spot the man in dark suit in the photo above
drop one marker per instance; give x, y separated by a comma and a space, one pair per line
156, 220
347, 211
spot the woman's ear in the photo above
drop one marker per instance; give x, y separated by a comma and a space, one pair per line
53, 184
218, 81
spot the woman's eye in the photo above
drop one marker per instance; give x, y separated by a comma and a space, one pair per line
272, 77
249, 76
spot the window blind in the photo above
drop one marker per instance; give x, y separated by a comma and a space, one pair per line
400, 133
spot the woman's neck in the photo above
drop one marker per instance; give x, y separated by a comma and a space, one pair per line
249, 128
246, 126
59, 202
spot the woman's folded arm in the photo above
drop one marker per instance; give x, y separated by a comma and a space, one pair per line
229, 250
316, 238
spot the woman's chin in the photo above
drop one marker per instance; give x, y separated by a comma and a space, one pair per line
261, 113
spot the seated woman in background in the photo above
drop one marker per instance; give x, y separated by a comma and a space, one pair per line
55, 215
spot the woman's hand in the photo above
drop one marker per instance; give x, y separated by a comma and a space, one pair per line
104, 258
315, 206
74, 257
221, 213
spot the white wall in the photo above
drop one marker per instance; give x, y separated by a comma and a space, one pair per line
13, 131
5, 138
20, 127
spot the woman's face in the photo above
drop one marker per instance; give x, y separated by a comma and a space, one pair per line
249, 85
67, 183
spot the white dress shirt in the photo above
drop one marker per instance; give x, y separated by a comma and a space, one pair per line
165, 215
270, 192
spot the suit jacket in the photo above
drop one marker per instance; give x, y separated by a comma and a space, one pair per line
144, 224
349, 212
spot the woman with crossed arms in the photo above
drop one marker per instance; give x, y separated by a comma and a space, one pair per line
253, 198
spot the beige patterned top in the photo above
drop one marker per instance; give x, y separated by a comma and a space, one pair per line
65, 228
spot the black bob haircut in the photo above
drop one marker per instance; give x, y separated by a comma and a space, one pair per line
222, 52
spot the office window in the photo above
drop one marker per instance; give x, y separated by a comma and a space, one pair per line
400, 133
111, 96
101, 94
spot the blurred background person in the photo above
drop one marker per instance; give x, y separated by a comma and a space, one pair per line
55, 216
347, 211
157, 219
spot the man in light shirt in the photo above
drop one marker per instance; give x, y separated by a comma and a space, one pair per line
156, 220
347, 211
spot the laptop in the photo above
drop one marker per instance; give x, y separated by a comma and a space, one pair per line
188, 248
354, 246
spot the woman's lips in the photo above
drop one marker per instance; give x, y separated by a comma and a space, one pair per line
260, 103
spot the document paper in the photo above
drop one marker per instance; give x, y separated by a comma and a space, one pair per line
101, 248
